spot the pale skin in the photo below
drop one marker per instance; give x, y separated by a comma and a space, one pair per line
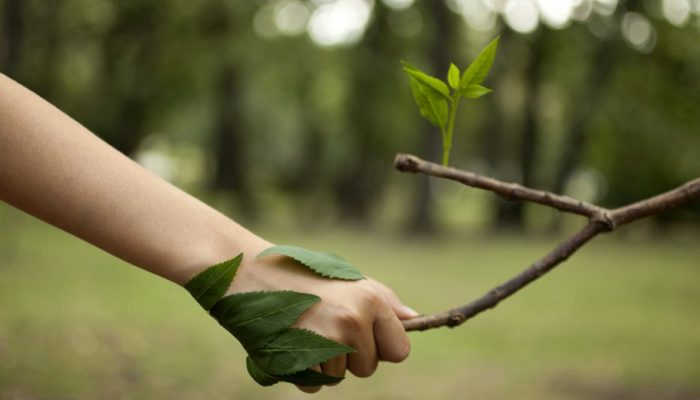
55, 169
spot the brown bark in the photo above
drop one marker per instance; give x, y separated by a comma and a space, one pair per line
600, 220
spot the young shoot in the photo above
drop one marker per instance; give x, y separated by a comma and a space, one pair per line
438, 101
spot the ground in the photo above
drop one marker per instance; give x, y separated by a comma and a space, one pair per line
619, 320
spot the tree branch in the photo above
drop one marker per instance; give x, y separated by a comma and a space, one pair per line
600, 220
511, 191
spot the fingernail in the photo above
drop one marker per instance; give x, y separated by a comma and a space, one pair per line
408, 310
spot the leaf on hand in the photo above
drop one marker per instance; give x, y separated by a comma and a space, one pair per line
475, 91
479, 68
324, 264
210, 285
453, 76
295, 350
435, 83
262, 321
309, 377
253, 316
260, 376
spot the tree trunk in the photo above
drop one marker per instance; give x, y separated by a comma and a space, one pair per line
13, 36
230, 143
422, 219
359, 184
574, 143
510, 215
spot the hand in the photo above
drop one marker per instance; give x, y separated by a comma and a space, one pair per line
363, 314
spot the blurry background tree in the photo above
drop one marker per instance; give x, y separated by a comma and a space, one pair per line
297, 107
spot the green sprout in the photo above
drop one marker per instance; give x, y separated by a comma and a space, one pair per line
438, 104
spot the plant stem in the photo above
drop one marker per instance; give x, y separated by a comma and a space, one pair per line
447, 134
446, 147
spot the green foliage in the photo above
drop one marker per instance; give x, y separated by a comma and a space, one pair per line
431, 106
438, 104
435, 83
480, 67
475, 91
262, 321
253, 315
211, 284
294, 350
307, 377
258, 374
324, 264
453, 76
431, 95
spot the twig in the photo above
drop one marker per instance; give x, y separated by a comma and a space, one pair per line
600, 220
511, 191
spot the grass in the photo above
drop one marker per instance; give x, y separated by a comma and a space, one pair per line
619, 320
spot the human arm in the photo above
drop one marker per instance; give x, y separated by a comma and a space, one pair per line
55, 169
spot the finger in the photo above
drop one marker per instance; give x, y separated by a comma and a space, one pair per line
392, 342
402, 311
311, 389
335, 367
363, 361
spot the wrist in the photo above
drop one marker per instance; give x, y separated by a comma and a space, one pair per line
217, 246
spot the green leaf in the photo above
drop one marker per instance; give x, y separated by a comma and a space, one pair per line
440, 109
294, 350
324, 264
475, 91
262, 321
435, 83
253, 316
309, 377
211, 284
431, 95
260, 376
424, 106
453, 76
431, 104
479, 68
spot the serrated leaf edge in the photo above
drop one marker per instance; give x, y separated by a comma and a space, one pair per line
236, 260
343, 349
269, 251
347, 349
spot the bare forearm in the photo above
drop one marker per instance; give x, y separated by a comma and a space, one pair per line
55, 169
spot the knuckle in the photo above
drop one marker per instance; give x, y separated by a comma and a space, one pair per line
372, 297
391, 292
349, 319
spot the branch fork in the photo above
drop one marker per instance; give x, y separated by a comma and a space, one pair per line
600, 220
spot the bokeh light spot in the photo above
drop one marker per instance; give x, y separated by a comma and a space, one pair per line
339, 22
521, 15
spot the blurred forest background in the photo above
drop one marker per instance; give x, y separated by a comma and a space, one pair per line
286, 115
299, 106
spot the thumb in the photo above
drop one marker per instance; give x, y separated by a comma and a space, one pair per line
401, 310
404, 312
